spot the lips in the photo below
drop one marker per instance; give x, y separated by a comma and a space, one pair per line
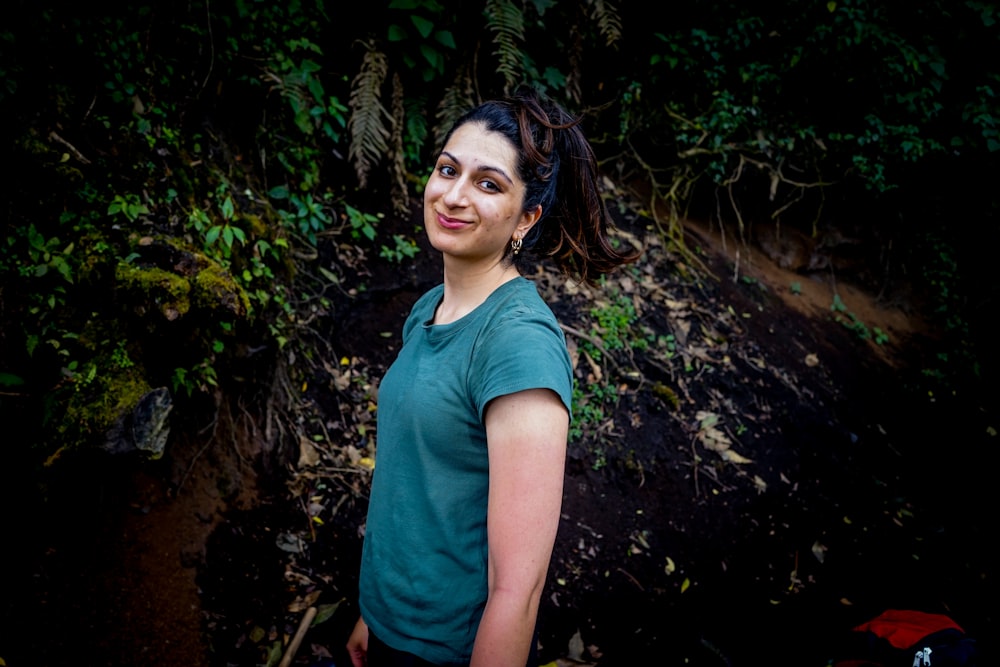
451, 223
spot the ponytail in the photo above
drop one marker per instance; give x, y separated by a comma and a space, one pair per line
560, 174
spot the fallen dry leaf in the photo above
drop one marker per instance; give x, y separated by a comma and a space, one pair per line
302, 603
733, 457
714, 439
308, 454
574, 651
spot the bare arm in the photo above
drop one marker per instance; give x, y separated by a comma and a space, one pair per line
526, 434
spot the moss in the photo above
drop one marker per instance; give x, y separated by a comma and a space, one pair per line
96, 255
258, 228
158, 289
214, 287
210, 286
667, 395
100, 397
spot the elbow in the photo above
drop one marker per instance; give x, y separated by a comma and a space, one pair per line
524, 592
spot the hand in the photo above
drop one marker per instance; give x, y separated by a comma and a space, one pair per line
357, 644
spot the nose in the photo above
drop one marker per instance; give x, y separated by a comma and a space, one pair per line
455, 195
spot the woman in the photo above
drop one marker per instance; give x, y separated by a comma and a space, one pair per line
474, 413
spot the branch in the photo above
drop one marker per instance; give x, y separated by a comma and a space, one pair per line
70, 147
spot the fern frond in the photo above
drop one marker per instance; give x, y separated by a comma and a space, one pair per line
400, 196
506, 20
458, 99
367, 125
607, 19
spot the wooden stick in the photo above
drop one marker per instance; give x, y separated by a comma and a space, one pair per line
293, 647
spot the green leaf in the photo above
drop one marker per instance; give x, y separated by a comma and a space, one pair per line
330, 275
446, 39
397, 33
278, 192
542, 5
316, 88
431, 55
424, 27
62, 266
10, 380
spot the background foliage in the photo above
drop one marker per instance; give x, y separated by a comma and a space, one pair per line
189, 184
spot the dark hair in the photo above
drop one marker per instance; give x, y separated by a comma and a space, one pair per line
560, 174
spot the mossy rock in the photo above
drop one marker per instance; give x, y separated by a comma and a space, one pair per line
114, 408
153, 288
175, 280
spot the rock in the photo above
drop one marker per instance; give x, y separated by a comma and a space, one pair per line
145, 428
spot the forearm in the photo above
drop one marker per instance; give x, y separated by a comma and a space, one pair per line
506, 630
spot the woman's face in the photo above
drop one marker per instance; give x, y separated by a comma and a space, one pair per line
473, 198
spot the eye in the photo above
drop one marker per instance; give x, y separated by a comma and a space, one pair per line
447, 170
489, 185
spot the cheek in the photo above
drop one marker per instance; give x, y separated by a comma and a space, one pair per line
430, 190
498, 213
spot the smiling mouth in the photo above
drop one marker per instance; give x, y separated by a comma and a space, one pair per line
451, 223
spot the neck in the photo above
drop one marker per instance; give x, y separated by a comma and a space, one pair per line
465, 288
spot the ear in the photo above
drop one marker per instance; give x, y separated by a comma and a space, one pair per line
528, 220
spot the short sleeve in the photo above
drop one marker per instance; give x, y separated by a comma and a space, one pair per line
524, 350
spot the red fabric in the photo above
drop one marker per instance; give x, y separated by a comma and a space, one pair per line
903, 628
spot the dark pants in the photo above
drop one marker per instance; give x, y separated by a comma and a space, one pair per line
382, 655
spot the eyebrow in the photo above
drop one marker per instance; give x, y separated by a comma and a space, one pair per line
495, 170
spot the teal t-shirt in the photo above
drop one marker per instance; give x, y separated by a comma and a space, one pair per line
424, 562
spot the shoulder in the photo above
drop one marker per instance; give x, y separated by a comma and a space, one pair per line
520, 347
520, 324
516, 310
520, 299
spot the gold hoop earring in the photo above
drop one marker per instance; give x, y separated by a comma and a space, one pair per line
515, 245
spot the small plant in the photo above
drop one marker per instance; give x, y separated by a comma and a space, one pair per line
588, 409
362, 224
600, 459
855, 323
403, 248
199, 378
128, 206
838, 305
613, 322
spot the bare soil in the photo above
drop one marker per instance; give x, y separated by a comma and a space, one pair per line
849, 494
